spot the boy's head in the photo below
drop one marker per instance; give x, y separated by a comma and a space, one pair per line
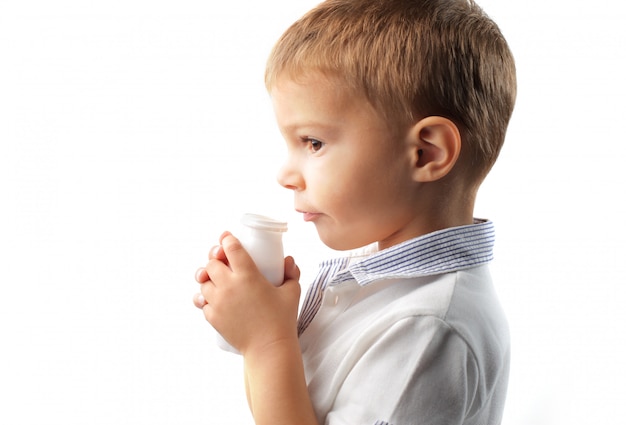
411, 59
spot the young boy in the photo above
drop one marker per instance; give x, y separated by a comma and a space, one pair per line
393, 112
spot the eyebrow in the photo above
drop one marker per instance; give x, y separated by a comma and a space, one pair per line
316, 125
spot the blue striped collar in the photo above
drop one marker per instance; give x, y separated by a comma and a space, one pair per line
443, 251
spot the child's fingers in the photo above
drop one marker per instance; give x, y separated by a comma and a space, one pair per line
201, 275
206, 291
236, 255
199, 301
217, 253
223, 235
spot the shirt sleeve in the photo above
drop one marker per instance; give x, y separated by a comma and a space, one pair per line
416, 371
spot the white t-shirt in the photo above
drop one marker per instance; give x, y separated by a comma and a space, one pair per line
410, 335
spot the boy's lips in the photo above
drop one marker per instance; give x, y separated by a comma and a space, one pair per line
308, 216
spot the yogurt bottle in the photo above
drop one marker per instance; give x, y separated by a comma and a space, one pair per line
262, 237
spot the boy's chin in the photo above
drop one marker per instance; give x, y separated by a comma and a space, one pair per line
338, 241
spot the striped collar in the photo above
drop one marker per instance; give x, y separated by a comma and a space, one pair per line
446, 250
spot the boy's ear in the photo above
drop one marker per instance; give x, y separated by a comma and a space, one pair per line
435, 148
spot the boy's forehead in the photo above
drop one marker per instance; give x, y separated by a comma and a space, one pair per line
317, 88
320, 104
303, 79
307, 103
311, 89
319, 78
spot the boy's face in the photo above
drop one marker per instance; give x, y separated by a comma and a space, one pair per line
349, 175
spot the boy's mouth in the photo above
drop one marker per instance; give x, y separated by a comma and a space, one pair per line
308, 216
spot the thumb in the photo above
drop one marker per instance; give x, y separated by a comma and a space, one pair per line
292, 271
291, 285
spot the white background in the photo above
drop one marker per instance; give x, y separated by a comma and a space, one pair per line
133, 132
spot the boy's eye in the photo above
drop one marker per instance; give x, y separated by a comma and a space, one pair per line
314, 145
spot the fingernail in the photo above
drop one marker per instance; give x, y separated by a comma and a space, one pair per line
200, 275
214, 252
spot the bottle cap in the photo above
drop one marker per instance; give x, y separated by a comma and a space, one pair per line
263, 223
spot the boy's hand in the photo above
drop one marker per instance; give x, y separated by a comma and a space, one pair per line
241, 304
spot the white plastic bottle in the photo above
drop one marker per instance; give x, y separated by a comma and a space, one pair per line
262, 237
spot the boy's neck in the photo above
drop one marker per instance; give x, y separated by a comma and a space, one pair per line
436, 211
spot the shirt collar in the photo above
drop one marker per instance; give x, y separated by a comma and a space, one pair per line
443, 251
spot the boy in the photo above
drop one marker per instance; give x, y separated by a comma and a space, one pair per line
393, 112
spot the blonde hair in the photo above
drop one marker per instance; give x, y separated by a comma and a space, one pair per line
411, 59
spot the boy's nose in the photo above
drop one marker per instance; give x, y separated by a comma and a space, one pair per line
289, 178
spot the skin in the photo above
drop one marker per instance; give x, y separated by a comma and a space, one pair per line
359, 183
